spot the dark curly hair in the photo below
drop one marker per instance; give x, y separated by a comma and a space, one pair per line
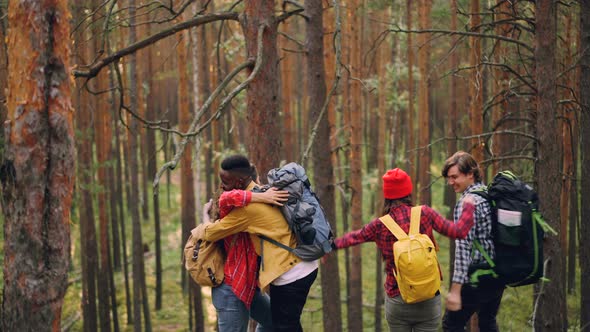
240, 165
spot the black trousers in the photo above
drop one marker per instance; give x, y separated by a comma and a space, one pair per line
287, 301
483, 300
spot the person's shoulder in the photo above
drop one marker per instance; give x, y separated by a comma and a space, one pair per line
475, 191
262, 208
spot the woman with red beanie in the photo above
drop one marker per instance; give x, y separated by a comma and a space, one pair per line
397, 192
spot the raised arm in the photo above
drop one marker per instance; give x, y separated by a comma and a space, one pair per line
453, 230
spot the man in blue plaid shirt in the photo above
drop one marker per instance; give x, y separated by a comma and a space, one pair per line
464, 175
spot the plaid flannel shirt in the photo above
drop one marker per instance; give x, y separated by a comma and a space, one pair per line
465, 253
376, 232
241, 265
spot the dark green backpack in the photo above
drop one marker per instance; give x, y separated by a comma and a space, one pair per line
518, 230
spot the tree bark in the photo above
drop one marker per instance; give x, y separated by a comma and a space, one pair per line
263, 141
119, 195
550, 312
195, 296
355, 298
476, 88
450, 197
384, 113
38, 171
584, 249
152, 168
88, 245
423, 104
287, 65
140, 297
501, 86
3, 83
411, 139
103, 135
323, 173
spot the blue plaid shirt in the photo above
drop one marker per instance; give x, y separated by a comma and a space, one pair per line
465, 253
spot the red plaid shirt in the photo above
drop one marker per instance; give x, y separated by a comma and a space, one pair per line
241, 265
429, 220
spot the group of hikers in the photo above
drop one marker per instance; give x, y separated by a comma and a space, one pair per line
270, 285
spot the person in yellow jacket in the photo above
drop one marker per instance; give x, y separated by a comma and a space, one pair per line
286, 276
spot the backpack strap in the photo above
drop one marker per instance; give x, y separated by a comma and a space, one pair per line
415, 220
275, 242
483, 252
393, 227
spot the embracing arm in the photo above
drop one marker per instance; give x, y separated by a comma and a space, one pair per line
271, 196
241, 198
235, 222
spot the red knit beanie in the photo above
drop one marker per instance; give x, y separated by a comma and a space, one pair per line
396, 184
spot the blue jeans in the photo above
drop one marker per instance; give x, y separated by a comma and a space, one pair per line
232, 314
287, 303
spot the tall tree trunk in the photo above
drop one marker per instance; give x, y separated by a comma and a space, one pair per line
411, 140
152, 165
452, 127
501, 87
568, 191
204, 92
423, 103
263, 98
584, 249
88, 245
3, 82
323, 172
550, 311
37, 173
102, 140
113, 187
143, 154
384, 112
195, 296
355, 301
287, 64
187, 181
476, 89
140, 298
121, 210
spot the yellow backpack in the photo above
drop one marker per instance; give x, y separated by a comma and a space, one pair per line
418, 276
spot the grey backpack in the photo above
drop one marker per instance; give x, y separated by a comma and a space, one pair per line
303, 212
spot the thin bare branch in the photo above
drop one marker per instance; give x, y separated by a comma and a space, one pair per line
286, 15
481, 136
194, 128
520, 77
95, 68
466, 33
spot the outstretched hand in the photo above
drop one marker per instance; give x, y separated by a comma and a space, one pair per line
274, 196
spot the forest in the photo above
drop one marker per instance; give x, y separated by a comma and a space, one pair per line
117, 113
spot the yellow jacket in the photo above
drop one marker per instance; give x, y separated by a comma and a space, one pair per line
259, 218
